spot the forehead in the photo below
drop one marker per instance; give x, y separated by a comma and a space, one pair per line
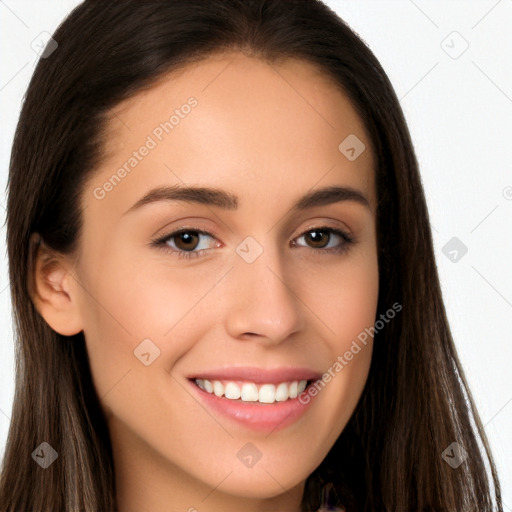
232, 119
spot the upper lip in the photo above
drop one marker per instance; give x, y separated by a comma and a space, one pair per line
259, 375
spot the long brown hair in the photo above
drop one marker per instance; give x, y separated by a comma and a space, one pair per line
416, 401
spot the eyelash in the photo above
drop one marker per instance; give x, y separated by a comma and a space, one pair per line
161, 243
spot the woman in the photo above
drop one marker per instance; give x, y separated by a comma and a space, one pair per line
299, 361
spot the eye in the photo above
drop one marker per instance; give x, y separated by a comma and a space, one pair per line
322, 236
184, 242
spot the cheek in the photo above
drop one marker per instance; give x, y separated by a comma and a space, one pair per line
130, 302
355, 317
348, 312
344, 297
356, 307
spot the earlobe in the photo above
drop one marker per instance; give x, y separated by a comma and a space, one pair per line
52, 288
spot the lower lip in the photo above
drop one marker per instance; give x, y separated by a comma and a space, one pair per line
255, 415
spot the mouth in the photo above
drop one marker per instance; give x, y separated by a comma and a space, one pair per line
252, 392
253, 384
258, 408
259, 399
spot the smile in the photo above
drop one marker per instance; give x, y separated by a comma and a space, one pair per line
252, 392
265, 400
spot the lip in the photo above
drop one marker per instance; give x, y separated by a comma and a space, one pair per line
254, 415
258, 375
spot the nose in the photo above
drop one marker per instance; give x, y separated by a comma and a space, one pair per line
262, 302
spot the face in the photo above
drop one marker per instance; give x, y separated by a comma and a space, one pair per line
259, 287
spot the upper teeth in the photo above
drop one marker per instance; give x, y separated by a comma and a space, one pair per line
250, 392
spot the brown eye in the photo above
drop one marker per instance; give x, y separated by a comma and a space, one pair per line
186, 240
326, 240
318, 237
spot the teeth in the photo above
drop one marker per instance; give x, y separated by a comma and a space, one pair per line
232, 391
282, 392
218, 388
249, 391
267, 394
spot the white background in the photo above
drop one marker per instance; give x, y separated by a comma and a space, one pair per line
459, 112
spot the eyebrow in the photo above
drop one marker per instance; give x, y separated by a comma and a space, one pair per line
228, 201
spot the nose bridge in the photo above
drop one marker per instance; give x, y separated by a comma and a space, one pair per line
263, 301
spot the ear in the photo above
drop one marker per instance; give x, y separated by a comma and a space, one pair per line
53, 289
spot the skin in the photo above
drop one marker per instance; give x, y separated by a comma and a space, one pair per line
267, 133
